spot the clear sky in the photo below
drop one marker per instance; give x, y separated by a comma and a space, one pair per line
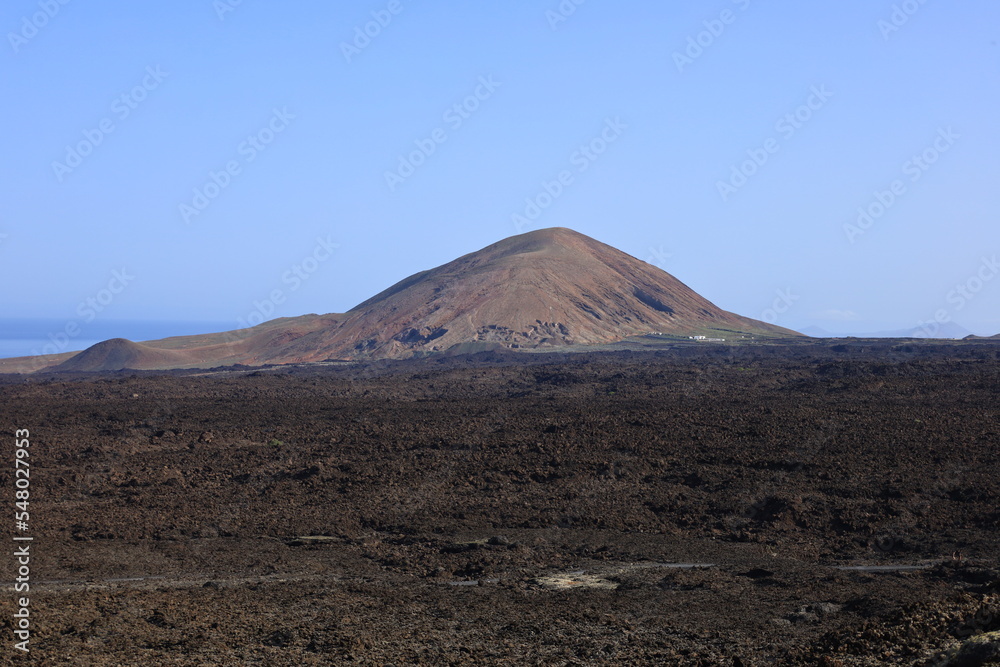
210, 160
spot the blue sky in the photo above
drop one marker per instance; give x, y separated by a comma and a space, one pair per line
228, 162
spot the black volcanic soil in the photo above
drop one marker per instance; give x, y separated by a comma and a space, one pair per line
480, 510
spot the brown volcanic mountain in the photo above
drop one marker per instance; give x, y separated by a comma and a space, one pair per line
547, 288
544, 288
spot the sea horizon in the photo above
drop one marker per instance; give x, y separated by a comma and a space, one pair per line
22, 337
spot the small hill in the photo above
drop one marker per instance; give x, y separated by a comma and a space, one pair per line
118, 354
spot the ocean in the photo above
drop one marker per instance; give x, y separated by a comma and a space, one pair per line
24, 337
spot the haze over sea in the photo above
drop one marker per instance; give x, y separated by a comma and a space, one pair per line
29, 336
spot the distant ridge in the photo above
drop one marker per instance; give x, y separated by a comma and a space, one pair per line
948, 330
546, 289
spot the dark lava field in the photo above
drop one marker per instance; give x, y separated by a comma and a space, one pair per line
813, 504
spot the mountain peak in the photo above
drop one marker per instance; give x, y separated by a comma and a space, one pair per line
539, 240
554, 235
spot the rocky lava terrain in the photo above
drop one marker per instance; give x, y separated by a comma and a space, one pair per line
693, 506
